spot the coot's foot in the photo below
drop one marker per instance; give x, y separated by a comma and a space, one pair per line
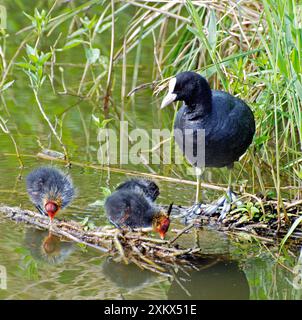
223, 204
193, 212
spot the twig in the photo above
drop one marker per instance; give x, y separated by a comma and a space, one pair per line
184, 230
50, 125
142, 86
119, 247
110, 69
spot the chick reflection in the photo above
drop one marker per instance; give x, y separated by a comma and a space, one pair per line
47, 247
126, 276
215, 279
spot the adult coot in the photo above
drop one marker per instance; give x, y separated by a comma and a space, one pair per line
50, 190
226, 123
132, 205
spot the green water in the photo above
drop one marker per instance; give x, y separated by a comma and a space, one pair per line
227, 269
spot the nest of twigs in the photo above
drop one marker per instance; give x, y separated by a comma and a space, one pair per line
270, 224
126, 245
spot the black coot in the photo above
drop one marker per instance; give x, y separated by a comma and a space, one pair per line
131, 205
227, 121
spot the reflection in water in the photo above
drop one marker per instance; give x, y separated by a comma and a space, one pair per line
216, 279
213, 242
47, 247
126, 276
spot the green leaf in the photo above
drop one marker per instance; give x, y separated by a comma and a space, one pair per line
7, 85
91, 225
104, 27
105, 191
33, 58
32, 76
44, 57
29, 17
92, 55
21, 250
290, 231
105, 122
260, 140
295, 60
243, 219
298, 86
282, 63
95, 119
71, 44
77, 33
84, 221
30, 50
212, 28
243, 209
26, 65
254, 210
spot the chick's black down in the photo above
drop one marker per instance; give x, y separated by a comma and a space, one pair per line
148, 187
131, 209
49, 183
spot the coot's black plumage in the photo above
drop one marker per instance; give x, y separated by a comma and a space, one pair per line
148, 187
131, 205
50, 190
227, 121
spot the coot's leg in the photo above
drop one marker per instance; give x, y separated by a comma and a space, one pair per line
222, 205
198, 177
230, 197
194, 211
213, 208
224, 202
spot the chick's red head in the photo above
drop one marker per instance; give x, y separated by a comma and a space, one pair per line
51, 208
162, 225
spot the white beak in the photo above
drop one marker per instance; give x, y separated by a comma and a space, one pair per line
170, 97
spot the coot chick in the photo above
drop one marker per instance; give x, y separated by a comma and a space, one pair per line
131, 205
228, 125
148, 187
50, 190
